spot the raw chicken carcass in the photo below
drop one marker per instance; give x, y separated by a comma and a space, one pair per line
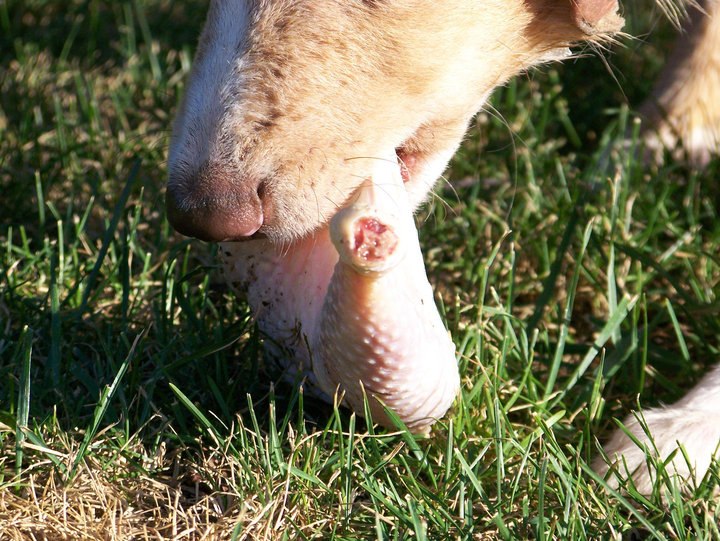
351, 307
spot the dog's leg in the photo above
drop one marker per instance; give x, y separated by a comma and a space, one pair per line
693, 422
684, 109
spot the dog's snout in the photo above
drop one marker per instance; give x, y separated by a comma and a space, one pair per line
215, 204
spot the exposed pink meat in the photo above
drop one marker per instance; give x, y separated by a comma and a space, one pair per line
352, 307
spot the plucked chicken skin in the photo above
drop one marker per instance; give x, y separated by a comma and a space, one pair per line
352, 309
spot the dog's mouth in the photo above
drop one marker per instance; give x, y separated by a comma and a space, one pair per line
408, 163
410, 166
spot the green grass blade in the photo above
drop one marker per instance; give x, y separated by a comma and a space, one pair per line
23, 405
567, 314
195, 411
615, 320
105, 398
108, 238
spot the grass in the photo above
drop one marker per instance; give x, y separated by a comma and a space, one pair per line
134, 401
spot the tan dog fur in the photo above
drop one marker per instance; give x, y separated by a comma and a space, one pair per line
283, 110
683, 112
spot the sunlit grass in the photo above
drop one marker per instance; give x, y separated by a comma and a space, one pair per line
134, 400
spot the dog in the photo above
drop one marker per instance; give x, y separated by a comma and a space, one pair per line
285, 95
682, 113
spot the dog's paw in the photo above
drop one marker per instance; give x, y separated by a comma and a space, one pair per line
698, 431
694, 144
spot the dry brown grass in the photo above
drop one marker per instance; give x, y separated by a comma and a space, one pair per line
175, 495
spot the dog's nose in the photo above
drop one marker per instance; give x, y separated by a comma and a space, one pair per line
214, 205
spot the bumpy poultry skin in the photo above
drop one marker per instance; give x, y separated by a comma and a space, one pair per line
351, 307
